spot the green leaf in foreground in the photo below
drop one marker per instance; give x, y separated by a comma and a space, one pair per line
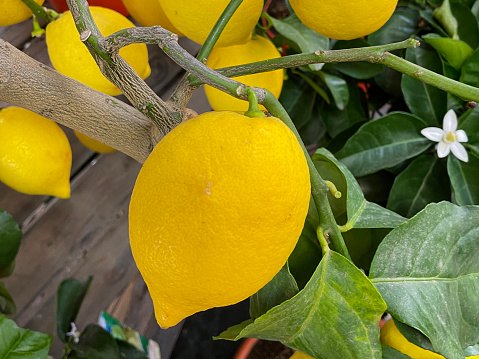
21, 343
70, 295
384, 143
335, 316
454, 51
428, 273
7, 305
95, 343
464, 179
10, 237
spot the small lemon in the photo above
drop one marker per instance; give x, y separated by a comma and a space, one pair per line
216, 210
196, 18
35, 155
391, 336
15, 11
70, 57
344, 19
257, 49
300, 355
150, 13
93, 144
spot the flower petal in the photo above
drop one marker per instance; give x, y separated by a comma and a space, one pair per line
459, 151
443, 149
461, 136
432, 133
450, 121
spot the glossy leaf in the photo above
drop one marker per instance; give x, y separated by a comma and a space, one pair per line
357, 70
390, 353
70, 295
467, 26
314, 130
129, 351
383, 143
424, 101
422, 182
362, 244
298, 100
454, 51
399, 27
428, 273
470, 70
307, 40
10, 238
339, 89
338, 305
464, 179
360, 213
21, 343
281, 288
469, 122
95, 343
7, 305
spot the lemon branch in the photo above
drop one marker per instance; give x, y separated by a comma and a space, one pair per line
319, 187
119, 72
40, 12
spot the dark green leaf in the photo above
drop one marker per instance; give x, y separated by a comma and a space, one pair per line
70, 295
21, 343
390, 353
469, 121
470, 70
8, 270
357, 70
313, 131
281, 288
129, 351
467, 27
429, 17
338, 305
307, 40
362, 244
373, 215
464, 179
424, 101
95, 343
399, 27
7, 305
339, 89
454, 51
298, 100
428, 273
422, 182
384, 143
10, 238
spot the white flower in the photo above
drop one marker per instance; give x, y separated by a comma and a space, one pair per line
449, 137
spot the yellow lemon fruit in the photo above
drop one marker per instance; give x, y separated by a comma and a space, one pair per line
70, 57
257, 49
196, 18
93, 144
391, 336
300, 355
15, 11
344, 19
35, 155
216, 210
149, 13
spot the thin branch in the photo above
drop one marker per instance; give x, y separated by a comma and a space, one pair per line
39, 11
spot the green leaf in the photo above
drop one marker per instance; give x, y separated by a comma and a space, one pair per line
18, 343
281, 288
467, 26
464, 179
70, 295
339, 89
10, 238
390, 353
360, 212
400, 26
7, 305
384, 143
298, 100
129, 351
470, 70
469, 121
95, 343
307, 40
422, 182
357, 70
335, 316
313, 131
8, 270
428, 273
424, 101
454, 51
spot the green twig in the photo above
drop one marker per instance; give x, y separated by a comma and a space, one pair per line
39, 11
319, 188
323, 242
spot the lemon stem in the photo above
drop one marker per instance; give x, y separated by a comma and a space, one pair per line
319, 188
253, 110
323, 242
334, 191
40, 12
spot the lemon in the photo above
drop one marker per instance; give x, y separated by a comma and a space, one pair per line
149, 13
93, 144
35, 155
391, 336
15, 11
300, 355
70, 57
257, 49
216, 210
196, 18
344, 19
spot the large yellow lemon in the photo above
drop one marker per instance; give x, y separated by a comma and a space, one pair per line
216, 210
93, 144
196, 18
344, 19
15, 11
257, 49
35, 155
70, 57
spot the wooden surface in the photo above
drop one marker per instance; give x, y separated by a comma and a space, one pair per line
86, 234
